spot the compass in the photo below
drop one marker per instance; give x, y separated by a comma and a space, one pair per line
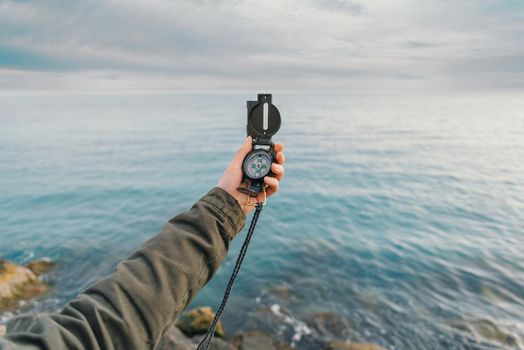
263, 121
257, 164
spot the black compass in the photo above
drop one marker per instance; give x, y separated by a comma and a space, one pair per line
263, 121
257, 164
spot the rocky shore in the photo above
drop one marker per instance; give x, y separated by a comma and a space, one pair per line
19, 283
322, 331
188, 331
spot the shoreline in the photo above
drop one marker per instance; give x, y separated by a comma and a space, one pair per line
270, 321
23, 285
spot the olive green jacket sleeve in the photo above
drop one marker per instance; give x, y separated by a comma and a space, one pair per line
134, 306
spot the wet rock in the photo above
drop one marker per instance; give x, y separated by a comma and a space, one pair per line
325, 327
282, 291
17, 283
328, 324
345, 345
254, 340
174, 339
197, 321
216, 343
264, 319
40, 266
283, 328
486, 329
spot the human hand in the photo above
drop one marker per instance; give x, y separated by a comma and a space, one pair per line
232, 177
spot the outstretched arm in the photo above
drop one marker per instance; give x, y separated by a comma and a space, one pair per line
134, 306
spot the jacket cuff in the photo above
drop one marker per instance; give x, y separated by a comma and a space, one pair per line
228, 206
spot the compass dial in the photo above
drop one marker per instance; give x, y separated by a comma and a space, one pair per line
257, 164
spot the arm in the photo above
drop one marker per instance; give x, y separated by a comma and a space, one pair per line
133, 307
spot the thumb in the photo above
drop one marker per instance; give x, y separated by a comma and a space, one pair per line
243, 150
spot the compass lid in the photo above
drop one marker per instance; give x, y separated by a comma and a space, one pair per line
263, 118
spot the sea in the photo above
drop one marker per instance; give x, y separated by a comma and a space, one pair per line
400, 220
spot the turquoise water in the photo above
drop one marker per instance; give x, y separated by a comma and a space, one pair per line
402, 216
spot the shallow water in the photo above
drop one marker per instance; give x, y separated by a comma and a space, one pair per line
404, 216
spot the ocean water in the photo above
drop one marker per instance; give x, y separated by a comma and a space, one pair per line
400, 219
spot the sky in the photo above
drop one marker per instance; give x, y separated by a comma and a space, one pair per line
117, 46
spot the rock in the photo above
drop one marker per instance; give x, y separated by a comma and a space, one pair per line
197, 321
263, 319
483, 328
174, 339
216, 343
328, 325
3, 329
281, 291
40, 266
17, 283
346, 345
254, 340
277, 324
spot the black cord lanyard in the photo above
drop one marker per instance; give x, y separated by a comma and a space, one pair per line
206, 341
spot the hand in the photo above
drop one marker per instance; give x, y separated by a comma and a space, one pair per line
232, 177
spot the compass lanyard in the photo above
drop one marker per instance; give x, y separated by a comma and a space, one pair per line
206, 341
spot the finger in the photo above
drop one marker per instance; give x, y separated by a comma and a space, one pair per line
278, 170
243, 150
279, 147
272, 183
281, 158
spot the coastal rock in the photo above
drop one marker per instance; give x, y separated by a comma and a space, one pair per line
263, 319
279, 326
328, 325
483, 328
281, 291
17, 283
216, 343
254, 340
174, 339
197, 321
40, 266
345, 345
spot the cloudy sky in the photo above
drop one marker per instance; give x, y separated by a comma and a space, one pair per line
279, 45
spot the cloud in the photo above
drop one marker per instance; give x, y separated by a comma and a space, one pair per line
415, 44
351, 7
20, 58
336, 45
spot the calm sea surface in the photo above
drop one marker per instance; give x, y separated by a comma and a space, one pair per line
401, 218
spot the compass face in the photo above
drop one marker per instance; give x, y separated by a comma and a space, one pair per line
257, 164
